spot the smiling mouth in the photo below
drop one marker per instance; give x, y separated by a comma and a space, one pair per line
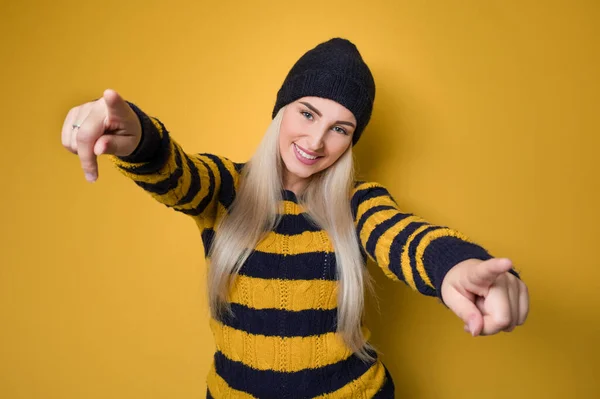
304, 154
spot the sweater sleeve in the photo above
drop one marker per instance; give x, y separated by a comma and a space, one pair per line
405, 246
193, 184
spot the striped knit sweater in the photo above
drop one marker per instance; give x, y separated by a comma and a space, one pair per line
282, 341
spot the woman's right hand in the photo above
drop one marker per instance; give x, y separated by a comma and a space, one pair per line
106, 126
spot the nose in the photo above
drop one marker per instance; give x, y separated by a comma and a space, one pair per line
316, 138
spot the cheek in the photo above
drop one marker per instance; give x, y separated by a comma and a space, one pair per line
285, 131
337, 149
284, 139
288, 133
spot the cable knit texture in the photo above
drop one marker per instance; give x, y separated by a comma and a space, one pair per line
282, 342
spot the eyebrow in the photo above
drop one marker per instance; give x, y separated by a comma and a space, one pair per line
319, 113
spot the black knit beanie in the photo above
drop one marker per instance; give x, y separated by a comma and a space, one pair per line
335, 70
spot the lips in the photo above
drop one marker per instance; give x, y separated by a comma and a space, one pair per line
312, 154
303, 159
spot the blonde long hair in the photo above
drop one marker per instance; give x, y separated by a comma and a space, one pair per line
254, 213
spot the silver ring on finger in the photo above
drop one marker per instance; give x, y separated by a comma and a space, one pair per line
75, 126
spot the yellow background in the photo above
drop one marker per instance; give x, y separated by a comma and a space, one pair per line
486, 120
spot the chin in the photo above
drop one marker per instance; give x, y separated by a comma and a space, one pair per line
300, 171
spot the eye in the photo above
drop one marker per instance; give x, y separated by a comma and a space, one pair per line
343, 131
306, 113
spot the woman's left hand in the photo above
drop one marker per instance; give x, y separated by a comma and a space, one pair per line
486, 296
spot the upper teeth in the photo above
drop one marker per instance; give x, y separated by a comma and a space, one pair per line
305, 155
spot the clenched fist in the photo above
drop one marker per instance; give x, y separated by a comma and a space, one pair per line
105, 126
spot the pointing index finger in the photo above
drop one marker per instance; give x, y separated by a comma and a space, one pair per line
90, 131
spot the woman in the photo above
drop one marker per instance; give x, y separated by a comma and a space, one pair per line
287, 235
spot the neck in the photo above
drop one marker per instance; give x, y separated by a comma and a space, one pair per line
294, 183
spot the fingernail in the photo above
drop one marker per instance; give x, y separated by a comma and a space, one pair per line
472, 327
91, 177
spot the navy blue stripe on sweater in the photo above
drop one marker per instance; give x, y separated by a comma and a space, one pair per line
306, 383
381, 228
211, 190
227, 188
152, 148
308, 266
387, 390
167, 184
397, 247
239, 166
288, 195
159, 158
303, 323
208, 235
366, 194
370, 212
295, 224
446, 252
207, 199
412, 253
194, 184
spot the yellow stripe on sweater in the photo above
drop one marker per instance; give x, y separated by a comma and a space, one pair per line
291, 208
405, 259
373, 202
382, 248
214, 218
172, 197
204, 185
296, 353
372, 222
384, 242
309, 241
164, 172
366, 385
260, 293
288, 208
219, 388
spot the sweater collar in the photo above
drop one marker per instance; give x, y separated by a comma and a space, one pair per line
289, 196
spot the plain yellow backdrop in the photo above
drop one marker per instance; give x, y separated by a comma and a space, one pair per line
485, 120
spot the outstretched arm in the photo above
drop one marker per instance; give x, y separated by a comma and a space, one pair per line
410, 249
188, 183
